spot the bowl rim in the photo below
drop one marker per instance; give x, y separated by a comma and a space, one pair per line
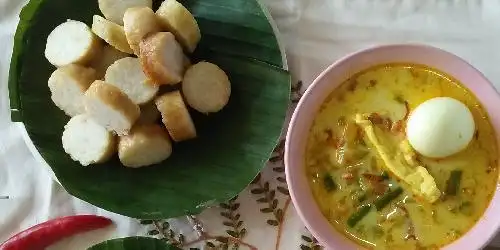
292, 174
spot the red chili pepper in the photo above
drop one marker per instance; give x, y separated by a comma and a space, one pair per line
43, 235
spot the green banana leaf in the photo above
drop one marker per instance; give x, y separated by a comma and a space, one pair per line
233, 145
134, 243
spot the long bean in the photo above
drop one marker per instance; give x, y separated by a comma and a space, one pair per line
385, 199
362, 197
466, 208
453, 182
358, 215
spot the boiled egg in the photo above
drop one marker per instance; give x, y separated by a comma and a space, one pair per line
440, 127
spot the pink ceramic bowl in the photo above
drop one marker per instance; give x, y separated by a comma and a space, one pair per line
485, 229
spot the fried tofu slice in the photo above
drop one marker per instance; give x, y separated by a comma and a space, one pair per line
139, 22
86, 141
68, 85
112, 33
114, 10
110, 107
145, 145
178, 20
398, 161
71, 42
127, 75
206, 87
176, 117
162, 58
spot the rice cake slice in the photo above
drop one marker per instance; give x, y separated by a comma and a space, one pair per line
176, 117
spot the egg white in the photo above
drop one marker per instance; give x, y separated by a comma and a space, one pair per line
440, 127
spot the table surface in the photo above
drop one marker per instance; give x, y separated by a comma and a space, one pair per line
315, 34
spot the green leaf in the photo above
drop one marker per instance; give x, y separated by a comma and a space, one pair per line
235, 206
276, 158
279, 169
266, 210
304, 247
266, 186
226, 215
306, 239
232, 233
279, 215
232, 147
153, 232
274, 204
221, 239
273, 222
181, 239
256, 179
258, 191
224, 206
171, 233
281, 145
281, 179
26, 16
134, 243
243, 232
283, 190
262, 200
296, 87
233, 199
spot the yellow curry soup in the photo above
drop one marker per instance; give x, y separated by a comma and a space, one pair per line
349, 167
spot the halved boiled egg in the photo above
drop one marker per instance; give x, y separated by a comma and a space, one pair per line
440, 127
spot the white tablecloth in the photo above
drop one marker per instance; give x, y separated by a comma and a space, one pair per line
315, 33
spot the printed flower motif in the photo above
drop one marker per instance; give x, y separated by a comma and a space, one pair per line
296, 92
162, 230
309, 243
267, 197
